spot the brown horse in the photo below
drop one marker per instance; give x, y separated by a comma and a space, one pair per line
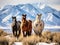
26, 26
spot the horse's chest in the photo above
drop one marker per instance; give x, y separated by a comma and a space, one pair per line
37, 25
14, 26
24, 25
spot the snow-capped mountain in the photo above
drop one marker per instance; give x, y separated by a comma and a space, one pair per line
50, 16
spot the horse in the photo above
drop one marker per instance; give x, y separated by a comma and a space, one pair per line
16, 27
38, 25
26, 26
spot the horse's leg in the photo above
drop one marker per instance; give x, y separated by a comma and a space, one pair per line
29, 32
14, 32
18, 33
24, 33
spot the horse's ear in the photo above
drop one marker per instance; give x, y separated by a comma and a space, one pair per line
19, 21
23, 14
13, 17
39, 14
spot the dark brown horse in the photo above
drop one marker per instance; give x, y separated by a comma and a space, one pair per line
16, 27
26, 26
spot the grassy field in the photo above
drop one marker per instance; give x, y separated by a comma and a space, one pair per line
46, 36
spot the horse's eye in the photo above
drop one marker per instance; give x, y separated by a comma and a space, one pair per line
36, 25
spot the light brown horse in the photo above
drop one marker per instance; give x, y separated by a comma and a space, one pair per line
38, 25
26, 26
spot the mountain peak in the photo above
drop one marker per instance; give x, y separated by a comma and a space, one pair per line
42, 6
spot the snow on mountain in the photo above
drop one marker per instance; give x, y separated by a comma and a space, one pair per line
54, 15
6, 18
42, 6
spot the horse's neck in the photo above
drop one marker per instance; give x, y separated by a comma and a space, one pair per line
14, 22
38, 20
24, 20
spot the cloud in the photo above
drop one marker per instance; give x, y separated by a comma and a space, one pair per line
14, 2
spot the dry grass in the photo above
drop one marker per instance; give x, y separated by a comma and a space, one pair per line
56, 37
2, 33
46, 36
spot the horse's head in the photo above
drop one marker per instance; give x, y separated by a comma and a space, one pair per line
38, 16
24, 16
13, 18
